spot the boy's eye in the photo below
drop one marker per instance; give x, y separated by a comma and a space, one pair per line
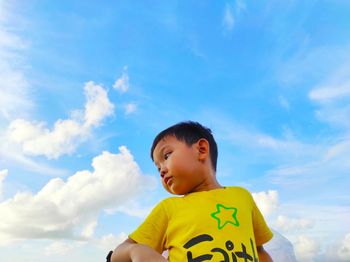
166, 156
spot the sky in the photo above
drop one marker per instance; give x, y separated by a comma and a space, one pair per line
86, 85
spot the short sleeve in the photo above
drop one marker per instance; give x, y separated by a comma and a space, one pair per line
152, 231
261, 231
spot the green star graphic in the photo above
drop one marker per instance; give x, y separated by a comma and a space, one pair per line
221, 211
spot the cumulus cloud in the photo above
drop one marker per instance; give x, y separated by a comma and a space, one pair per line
286, 224
110, 241
36, 139
58, 248
122, 83
97, 106
280, 248
67, 247
266, 201
344, 250
133, 209
306, 249
69, 209
89, 229
3, 174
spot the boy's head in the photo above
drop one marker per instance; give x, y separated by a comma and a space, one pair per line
185, 155
189, 132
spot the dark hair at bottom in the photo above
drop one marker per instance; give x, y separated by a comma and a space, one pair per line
190, 132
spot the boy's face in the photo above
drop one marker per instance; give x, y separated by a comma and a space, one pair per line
178, 164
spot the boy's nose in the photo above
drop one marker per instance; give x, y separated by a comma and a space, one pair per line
163, 171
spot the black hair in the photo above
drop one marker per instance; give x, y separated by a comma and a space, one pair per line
189, 132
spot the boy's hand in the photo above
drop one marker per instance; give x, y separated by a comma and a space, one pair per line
129, 250
143, 253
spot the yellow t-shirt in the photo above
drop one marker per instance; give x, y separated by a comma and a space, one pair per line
217, 225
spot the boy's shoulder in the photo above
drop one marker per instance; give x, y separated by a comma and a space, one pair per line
238, 189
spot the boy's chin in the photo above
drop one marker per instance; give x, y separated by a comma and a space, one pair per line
176, 191
173, 192
170, 189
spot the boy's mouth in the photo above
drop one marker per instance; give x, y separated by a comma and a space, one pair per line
166, 179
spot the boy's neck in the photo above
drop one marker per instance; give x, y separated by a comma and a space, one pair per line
207, 184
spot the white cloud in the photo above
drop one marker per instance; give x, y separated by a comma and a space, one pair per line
3, 174
110, 241
58, 248
35, 139
94, 249
344, 250
333, 99
240, 4
332, 95
130, 108
306, 249
331, 162
322, 223
11, 155
330, 92
122, 83
286, 224
334, 115
15, 89
280, 248
133, 209
231, 13
313, 64
338, 150
287, 147
266, 201
228, 19
89, 229
293, 175
68, 209
275, 144
97, 106
294, 162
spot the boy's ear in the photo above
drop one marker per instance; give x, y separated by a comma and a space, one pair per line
203, 149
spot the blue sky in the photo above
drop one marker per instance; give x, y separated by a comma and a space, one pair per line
86, 85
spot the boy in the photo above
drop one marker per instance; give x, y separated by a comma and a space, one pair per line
209, 222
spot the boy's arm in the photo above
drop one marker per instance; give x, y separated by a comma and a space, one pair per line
129, 250
263, 255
